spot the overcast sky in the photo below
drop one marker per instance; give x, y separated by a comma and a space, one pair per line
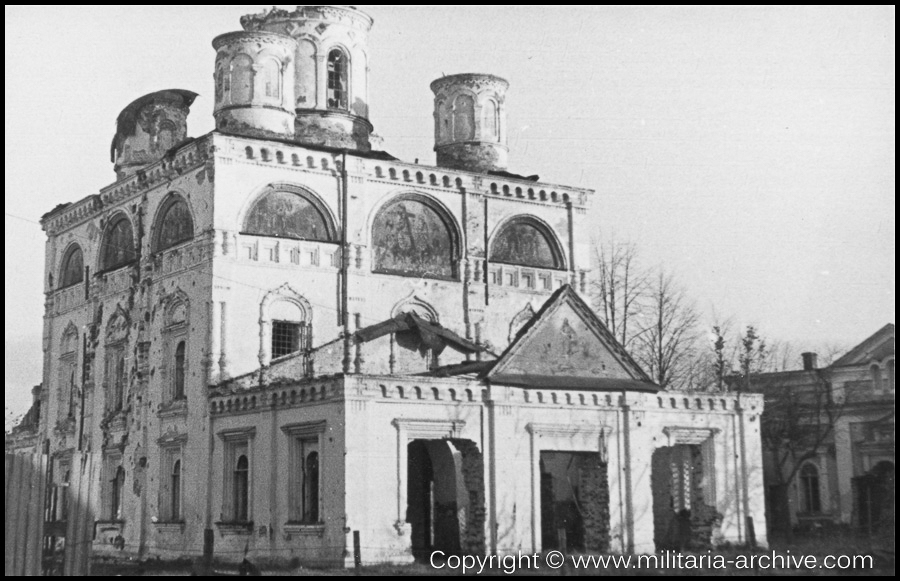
750, 151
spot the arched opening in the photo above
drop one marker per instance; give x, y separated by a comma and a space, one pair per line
525, 241
240, 487
464, 118
271, 78
179, 371
491, 121
174, 225
890, 374
289, 212
176, 491
810, 501
413, 236
338, 71
117, 248
72, 267
241, 79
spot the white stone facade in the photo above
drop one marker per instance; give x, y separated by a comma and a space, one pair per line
225, 375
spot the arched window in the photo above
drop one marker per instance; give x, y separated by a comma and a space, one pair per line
241, 79
220, 83
174, 224
72, 267
526, 242
179, 371
415, 237
290, 212
809, 490
311, 488
271, 76
464, 118
117, 488
338, 86
119, 384
491, 122
118, 244
176, 491
890, 374
241, 477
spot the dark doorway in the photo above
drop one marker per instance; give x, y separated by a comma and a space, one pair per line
445, 497
876, 497
574, 502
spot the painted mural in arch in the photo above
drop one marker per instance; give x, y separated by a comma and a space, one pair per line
522, 242
118, 245
288, 215
411, 238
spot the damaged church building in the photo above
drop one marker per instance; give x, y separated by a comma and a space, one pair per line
277, 336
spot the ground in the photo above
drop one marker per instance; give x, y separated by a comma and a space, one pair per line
833, 543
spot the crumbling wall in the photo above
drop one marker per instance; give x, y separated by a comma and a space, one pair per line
472, 535
594, 501
681, 517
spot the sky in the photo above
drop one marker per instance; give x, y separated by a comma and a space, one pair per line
748, 151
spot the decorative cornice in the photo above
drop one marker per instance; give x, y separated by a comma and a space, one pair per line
688, 435
250, 36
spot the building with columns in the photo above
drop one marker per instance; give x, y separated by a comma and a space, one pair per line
275, 335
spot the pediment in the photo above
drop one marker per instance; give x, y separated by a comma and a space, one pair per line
565, 344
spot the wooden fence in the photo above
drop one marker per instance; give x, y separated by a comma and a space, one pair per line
33, 524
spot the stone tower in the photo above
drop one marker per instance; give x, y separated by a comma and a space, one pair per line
470, 122
331, 72
254, 82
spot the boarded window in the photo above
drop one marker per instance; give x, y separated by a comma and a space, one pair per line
118, 245
175, 224
72, 267
337, 80
241, 79
464, 118
288, 214
415, 238
526, 242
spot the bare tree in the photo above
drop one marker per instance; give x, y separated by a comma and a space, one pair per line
619, 288
798, 423
666, 342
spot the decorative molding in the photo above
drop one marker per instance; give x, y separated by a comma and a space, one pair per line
305, 428
429, 429
237, 434
568, 430
688, 435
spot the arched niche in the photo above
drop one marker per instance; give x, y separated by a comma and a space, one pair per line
72, 269
526, 241
117, 248
288, 211
174, 223
413, 235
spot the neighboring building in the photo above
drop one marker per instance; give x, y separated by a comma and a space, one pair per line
275, 335
841, 421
